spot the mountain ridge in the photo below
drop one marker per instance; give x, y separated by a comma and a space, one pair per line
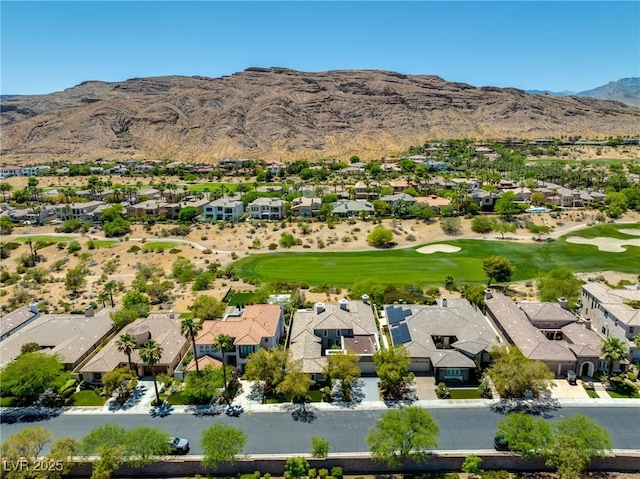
279, 113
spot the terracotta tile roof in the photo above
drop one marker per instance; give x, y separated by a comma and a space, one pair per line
256, 321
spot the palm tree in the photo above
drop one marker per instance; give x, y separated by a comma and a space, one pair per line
126, 344
224, 344
613, 349
150, 353
189, 329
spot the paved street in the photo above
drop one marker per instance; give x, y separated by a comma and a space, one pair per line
461, 428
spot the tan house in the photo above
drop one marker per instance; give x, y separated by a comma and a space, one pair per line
161, 327
305, 206
251, 328
332, 329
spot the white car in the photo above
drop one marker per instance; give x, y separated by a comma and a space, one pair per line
179, 445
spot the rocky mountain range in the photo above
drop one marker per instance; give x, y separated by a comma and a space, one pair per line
280, 114
626, 90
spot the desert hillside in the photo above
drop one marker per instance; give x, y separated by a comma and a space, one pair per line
277, 113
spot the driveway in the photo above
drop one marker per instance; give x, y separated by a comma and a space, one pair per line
425, 387
564, 390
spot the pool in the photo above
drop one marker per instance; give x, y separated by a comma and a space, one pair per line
537, 210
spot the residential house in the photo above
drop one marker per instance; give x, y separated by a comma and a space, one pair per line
364, 191
613, 312
400, 185
10, 170
436, 202
547, 332
224, 209
393, 200
89, 211
484, 199
267, 209
472, 184
333, 329
164, 328
350, 208
449, 339
72, 336
17, 319
155, 208
306, 207
251, 328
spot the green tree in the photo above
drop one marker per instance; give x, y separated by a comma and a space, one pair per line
203, 386
343, 367
63, 449
296, 467
189, 328
122, 317
30, 347
616, 204
471, 465
287, 240
121, 379
107, 442
540, 230
224, 344
392, 367
117, 227
482, 224
207, 308
151, 353
319, 447
28, 445
513, 374
221, 443
380, 237
612, 350
183, 270
405, 433
76, 278
144, 443
559, 283
525, 434
126, 343
73, 247
576, 440
503, 227
109, 288
506, 205
136, 301
498, 268
295, 384
269, 366
450, 225
31, 374
187, 214
6, 225
449, 282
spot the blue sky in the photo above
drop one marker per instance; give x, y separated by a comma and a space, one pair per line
50, 46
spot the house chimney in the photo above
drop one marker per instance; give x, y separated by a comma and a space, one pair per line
487, 294
89, 311
587, 324
562, 302
33, 307
365, 298
344, 304
319, 308
172, 314
444, 302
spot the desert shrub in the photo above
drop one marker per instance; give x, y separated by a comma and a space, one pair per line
133, 249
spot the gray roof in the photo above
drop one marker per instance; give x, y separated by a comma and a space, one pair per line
306, 346
458, 318
613, 301
15, 319
352, 205
548, 312
70, 335
529, 339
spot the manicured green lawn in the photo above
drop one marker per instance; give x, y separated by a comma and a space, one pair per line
606, 229
402, 266
176, 399
466, 393
161, 245
86, 398
45, 238
105, 243
187, 315
630, 391
241, 298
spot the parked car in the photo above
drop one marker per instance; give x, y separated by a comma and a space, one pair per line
571, 377
179, 445
499, 443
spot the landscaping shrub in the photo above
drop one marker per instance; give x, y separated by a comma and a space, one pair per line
313, 473
336, 472
323, 473
442, 391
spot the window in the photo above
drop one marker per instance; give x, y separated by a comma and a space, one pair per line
245, 351
452, 372
631, 330
325, 333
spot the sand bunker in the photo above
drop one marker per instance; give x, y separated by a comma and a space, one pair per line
438, 248
630, 232
611, 245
